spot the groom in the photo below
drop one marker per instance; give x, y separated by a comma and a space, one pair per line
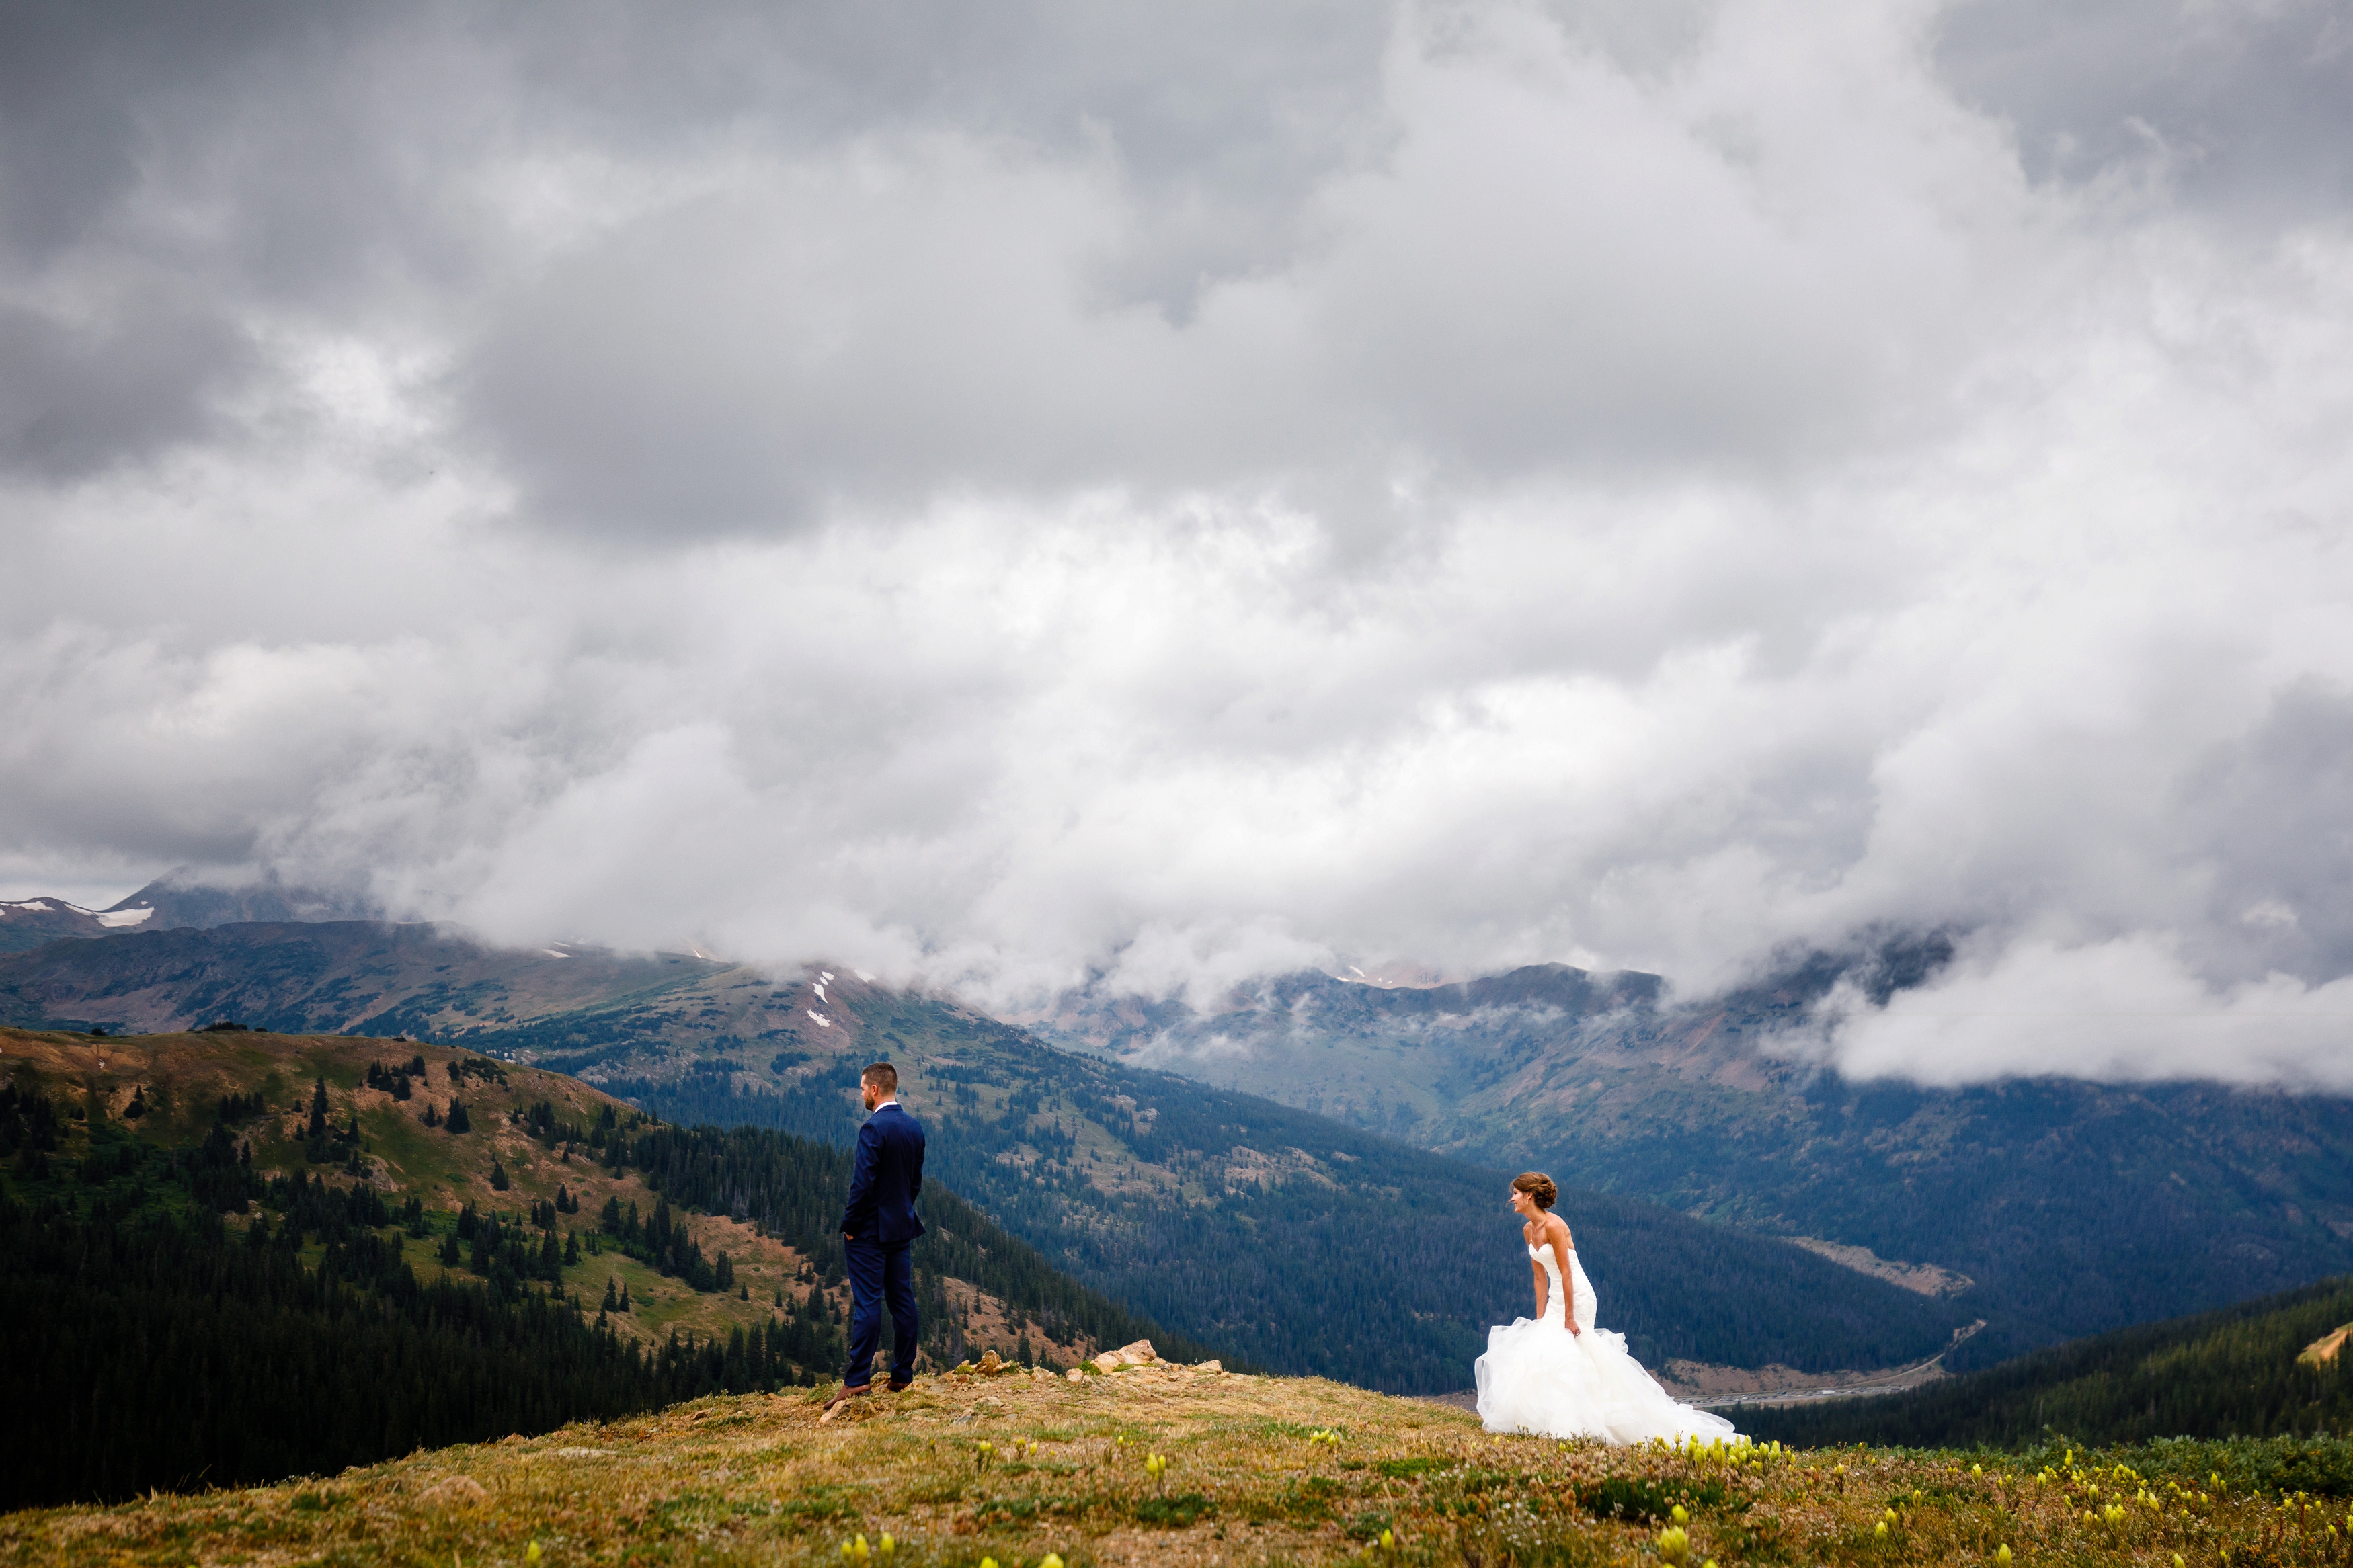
876, 1228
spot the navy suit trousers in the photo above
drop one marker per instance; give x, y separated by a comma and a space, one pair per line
879, 1275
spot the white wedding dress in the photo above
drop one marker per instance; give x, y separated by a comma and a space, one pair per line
1536, 1376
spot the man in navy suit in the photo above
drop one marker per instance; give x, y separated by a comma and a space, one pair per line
878, 1228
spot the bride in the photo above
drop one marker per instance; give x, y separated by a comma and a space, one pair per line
1557, 1373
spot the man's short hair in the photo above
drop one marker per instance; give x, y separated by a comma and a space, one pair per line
882, 1076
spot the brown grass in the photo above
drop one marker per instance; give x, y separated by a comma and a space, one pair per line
757, 1479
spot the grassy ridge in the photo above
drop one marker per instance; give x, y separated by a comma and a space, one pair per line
1258, 1471
2233, 1372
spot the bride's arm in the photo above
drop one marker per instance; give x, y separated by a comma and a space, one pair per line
1559, 1242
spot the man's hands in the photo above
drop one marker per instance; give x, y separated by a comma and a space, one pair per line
847, 1236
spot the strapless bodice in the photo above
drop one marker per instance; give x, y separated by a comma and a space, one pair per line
1557, 1300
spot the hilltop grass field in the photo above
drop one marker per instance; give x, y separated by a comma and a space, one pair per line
1028, 1469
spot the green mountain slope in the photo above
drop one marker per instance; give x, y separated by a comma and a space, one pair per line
286, 1250
2232, 1373
2075, 1207
1300, 1242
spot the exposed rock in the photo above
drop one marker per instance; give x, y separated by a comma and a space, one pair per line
1209, 1366
1137, 1354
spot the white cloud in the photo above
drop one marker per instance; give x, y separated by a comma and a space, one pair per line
1521, 486
2124, 1009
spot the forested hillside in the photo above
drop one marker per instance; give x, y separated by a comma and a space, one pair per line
2232, 1373
219, 1271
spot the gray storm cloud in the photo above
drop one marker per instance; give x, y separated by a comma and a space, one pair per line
1003, 497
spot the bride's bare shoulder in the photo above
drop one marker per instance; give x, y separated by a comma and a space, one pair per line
1556, 1229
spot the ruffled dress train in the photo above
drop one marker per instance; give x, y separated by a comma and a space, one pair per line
1538, 1377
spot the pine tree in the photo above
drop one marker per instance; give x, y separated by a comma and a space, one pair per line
319, 1109
612, 1302
431, 1117
400, 1089
625, 1296
499, 1182
571, 1250
450, 1256
458, 1121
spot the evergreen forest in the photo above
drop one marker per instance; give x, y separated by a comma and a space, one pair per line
2236, 1373
186, 1316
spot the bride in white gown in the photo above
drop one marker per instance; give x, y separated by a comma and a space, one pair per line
1557, 1373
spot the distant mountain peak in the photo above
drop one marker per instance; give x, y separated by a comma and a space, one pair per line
175, 900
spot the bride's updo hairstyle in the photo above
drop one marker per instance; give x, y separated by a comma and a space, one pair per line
1538, 1187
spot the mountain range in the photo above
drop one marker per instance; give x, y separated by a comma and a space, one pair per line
1292, 1240
168, 903
1114, 1133
2075, 1207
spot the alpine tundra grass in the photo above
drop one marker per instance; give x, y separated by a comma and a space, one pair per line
1163, 1465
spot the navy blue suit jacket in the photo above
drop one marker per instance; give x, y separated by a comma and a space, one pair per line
888, 1177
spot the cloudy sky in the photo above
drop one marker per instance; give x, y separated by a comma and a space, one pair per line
1007, 492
